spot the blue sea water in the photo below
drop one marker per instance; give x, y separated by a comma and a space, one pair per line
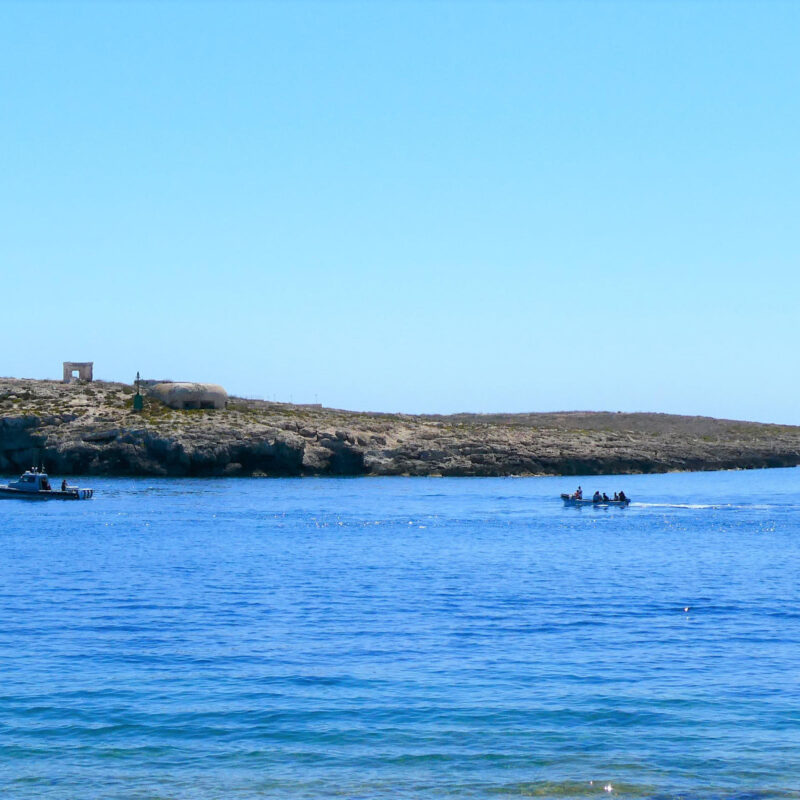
403, 638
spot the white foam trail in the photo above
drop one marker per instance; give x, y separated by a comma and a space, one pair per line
760, 507
686, 505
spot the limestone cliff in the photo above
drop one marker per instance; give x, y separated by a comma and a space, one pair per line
91, 429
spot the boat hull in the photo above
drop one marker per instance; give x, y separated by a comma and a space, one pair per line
571, 501
44, 494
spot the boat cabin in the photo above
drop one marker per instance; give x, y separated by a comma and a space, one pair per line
32, 481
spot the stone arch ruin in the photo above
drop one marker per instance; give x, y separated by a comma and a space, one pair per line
82, 368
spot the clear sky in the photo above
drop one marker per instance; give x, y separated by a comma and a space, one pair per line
400, 206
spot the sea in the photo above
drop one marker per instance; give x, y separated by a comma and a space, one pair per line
178, 639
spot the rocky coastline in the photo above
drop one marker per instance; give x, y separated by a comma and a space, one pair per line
91, 429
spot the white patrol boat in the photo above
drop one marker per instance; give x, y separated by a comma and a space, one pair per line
35, 485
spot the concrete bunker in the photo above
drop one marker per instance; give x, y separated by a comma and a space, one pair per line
78, 371
187, 396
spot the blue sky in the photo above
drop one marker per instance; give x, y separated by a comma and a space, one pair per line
408, 206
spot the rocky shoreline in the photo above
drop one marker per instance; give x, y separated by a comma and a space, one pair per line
91, 429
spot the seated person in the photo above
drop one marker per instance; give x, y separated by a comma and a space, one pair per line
622, 496
578, 494
596, 498
605, 497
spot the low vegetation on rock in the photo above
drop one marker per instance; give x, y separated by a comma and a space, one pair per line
92, 429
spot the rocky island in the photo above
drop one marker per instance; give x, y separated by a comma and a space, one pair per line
92, 429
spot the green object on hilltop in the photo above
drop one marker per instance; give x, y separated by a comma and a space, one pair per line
138, 400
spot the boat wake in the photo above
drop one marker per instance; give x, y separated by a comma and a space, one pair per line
701, 506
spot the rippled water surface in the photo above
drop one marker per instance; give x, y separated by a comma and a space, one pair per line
402, 638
